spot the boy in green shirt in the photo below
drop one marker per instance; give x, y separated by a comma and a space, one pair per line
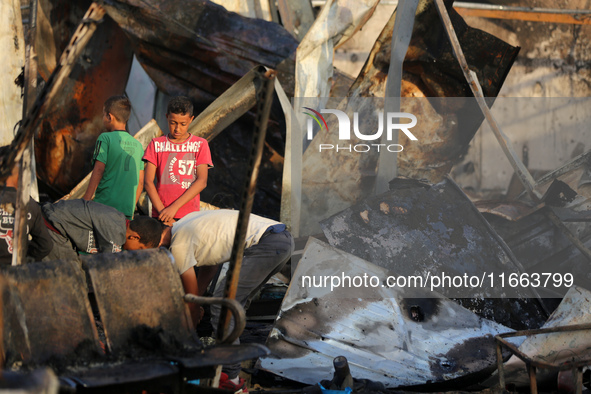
118, 173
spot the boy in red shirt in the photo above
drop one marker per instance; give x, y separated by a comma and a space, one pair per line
179, 162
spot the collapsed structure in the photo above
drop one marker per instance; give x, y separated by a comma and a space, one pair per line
424, 223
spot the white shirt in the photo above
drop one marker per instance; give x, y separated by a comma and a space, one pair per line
206, 237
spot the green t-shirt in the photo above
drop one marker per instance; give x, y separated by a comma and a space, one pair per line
122, 156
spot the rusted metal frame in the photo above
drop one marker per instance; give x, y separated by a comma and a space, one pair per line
569, 234
25, 175
521, 171
264, 101
533, 14
403, 26
548, 330
53, 86
533, 364
576, 162
235, 308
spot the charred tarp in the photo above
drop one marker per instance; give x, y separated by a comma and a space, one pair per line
422, 229
433, 88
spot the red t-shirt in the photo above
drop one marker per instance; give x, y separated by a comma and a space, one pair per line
176, 169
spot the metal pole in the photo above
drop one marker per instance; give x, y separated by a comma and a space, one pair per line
533, 383
264, 101
500, 366
23, 191
403, 26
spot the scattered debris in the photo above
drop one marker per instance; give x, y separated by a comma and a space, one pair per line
428, 230
400, 337
555, 348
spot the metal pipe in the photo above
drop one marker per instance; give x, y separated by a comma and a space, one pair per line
264, 101
235, 308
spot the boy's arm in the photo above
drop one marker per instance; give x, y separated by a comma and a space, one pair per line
200, 183
206, 274
189, 280
95, 179
149, 175
140, 187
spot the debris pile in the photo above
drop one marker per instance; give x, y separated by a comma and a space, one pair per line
418, 286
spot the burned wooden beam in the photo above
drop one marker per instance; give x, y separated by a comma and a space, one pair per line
229, 106
199, 49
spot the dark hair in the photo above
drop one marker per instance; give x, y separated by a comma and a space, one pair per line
119, 107
5, 151
180, 105
149, 230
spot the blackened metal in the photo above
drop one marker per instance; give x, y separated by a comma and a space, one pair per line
416, 228
430, 70
264, 101
140, 289
48, 316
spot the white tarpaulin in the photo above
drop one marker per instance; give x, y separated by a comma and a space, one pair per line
12, 45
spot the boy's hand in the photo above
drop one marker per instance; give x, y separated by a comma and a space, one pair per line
167, 214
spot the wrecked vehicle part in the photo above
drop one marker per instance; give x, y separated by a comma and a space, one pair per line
553, 348
400, 337
429, 70
69, 127
427, 230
